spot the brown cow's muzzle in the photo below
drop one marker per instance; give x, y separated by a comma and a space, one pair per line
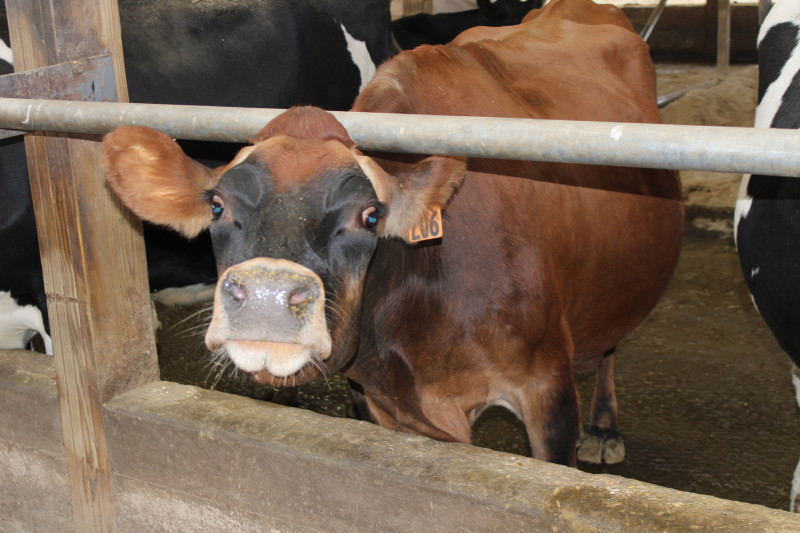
269, 315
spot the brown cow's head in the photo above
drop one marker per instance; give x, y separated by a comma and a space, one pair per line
294, 219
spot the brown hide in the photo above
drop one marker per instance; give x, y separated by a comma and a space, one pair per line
544, 267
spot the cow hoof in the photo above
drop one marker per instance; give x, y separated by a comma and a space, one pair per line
598, 446
590, 450
614, 451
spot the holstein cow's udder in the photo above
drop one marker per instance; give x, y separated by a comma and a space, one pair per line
269, 316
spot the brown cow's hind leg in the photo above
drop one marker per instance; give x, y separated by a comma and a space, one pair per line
601, 441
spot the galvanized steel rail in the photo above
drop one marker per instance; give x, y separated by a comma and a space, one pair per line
711, 148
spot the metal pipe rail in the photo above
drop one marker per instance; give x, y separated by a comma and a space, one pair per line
648, 27
722, 149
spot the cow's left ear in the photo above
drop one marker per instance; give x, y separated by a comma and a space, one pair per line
414, 191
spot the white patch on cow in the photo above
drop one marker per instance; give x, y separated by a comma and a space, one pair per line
742, 208
361, 58
794, 499
771, 101
785, 11
795, 495
616, 132
5, 53
773, 96
755, 306
754, 272
796, 383
19, 324
184, 295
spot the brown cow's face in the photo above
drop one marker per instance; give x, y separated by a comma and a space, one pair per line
294, 220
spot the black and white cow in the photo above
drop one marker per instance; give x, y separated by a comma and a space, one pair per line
6, 58
767, 216
250, 53
441, 28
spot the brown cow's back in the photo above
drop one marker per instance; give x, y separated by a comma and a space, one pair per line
547, 67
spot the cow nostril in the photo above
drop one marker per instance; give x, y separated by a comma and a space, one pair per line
300, 297
234, 291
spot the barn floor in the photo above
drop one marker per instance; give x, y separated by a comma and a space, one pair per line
706, 401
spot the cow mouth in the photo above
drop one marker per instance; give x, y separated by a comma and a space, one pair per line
269, 360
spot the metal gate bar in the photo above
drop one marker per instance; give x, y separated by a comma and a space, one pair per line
711, 148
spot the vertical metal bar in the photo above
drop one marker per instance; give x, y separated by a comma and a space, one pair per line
652, 20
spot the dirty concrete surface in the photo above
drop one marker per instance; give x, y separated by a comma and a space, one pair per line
705, 395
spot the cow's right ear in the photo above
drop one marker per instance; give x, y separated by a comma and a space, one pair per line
156, 180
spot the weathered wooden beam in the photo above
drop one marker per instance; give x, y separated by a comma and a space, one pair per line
723, 36
92, 254
412, 7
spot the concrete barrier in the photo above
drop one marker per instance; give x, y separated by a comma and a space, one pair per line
34, 489
189, 459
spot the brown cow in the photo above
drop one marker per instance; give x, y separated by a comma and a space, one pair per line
541, 270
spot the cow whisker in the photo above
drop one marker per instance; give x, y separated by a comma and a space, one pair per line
317, 363
344, 319
219, 363
193, 330
207, 309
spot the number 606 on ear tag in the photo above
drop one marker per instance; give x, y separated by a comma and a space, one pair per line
431, 228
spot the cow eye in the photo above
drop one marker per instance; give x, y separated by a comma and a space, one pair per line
369, 217
217, 207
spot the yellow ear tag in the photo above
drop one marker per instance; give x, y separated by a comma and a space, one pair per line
431, 228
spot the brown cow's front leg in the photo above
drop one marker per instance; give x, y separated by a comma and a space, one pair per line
601, 441
550, 405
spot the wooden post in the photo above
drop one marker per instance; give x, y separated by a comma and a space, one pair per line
723, 36
92, 254
412, 7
